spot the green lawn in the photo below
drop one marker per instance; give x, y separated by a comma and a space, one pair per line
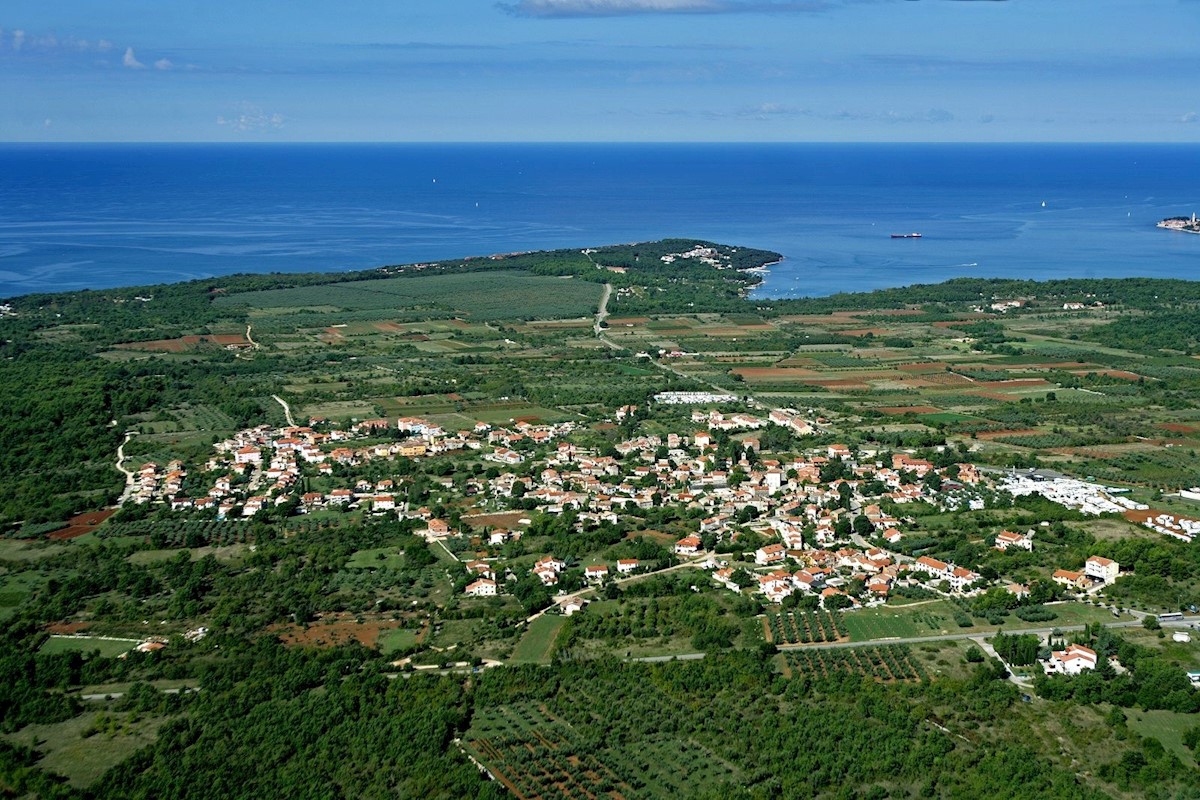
891, 622
398, 639
1071, 614
1166, 726
28, 549
936, 617
377, 558
537, 643
82, 759
13, 591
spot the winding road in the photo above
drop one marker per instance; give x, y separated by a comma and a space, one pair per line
287, 411
131, 483
601, 315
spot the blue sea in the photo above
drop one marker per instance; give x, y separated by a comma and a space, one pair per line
99, 216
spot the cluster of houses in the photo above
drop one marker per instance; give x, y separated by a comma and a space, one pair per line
706, 255
156, 484
1097, 573
785, 500
959, 578
263, 465
823, 573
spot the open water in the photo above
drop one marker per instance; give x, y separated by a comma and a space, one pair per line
97, 216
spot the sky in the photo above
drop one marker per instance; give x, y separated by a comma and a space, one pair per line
600, 70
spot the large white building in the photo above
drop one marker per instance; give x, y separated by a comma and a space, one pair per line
1102, 569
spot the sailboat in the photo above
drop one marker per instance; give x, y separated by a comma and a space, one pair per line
1043, 204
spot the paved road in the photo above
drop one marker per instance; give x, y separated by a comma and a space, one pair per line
558, 600
660, 659
946, 637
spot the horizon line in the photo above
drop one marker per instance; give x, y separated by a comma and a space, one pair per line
672, 142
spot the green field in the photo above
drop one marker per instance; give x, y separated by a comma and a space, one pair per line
83, 748
633, 765
936, 617
537, 644
378, 558
494, 294
398, 639
1166, 726
86, 644
898, 622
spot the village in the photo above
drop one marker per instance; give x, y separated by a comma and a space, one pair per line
818, 532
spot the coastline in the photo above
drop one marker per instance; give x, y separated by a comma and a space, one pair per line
765, 269
147, 215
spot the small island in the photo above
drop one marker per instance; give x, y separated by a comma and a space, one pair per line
1185, 224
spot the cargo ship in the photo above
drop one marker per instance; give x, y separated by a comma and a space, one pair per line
906, 236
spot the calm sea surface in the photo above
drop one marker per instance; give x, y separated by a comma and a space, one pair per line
76, 217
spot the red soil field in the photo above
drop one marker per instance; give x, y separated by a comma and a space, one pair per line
333, 629
775, 372
922, 366
81, 524
1015, 383
900, 410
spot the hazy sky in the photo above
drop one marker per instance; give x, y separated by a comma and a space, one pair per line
600, 70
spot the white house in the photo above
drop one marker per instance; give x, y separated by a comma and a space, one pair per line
771, 554
1072, 661
1101, 569
482, 588
627, 565
1007, 539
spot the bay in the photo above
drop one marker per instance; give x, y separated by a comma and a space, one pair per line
98, 216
